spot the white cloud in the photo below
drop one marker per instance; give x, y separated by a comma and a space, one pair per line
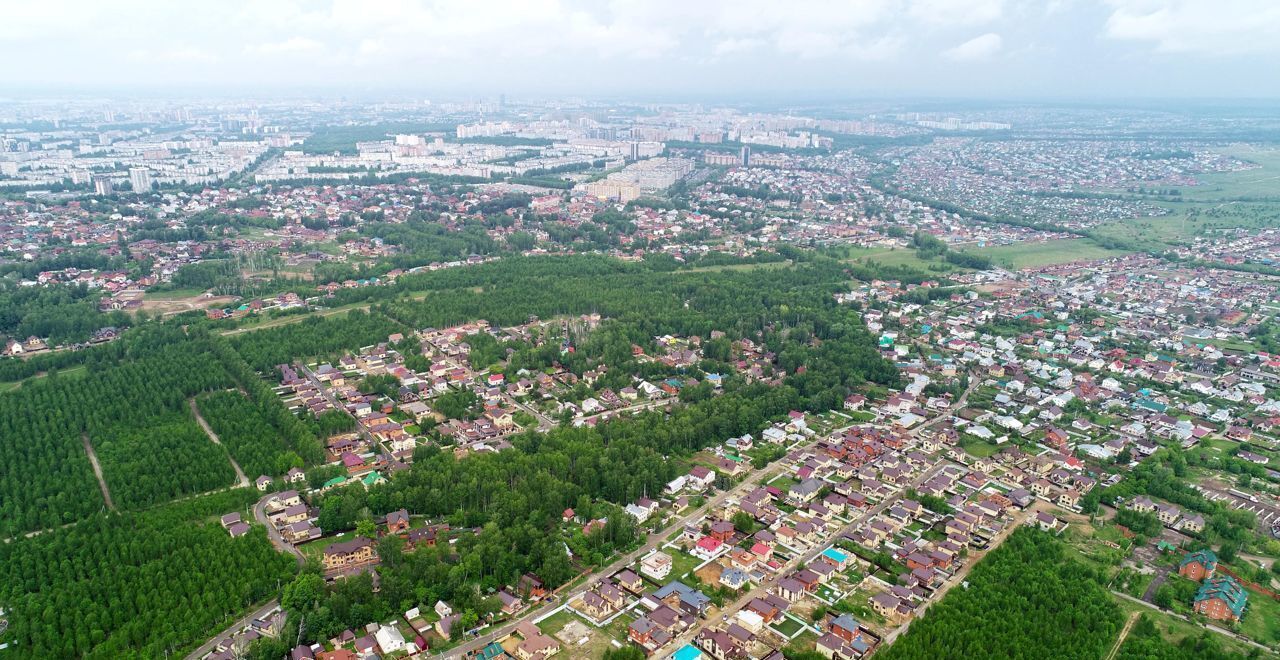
978, 48
294, 45
623, 45
957, 12
735, 46
1222, 27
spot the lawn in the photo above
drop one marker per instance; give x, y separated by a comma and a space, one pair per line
552, 624
315, 549
786, 627
978, 448
1261, 621
1048, 253
681, 562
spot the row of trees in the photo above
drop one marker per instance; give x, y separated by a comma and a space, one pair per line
135, 585
61, 314
257, 446
1027, 599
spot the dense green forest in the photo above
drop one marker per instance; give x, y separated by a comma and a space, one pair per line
266, 349
132, 405
257, 444
60, 314
1027, 599
168, 457
135, 585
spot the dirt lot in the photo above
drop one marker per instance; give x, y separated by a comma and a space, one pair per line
180, 305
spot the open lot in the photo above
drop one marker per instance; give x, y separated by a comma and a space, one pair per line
1048, 253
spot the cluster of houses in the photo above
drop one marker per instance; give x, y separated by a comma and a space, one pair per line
1220, 597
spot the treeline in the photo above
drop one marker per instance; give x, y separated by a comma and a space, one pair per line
1027, 599
135, 585
62, 313
258, 446
131, 404
314, 337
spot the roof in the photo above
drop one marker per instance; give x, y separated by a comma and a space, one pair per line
1205, 557
1227, 589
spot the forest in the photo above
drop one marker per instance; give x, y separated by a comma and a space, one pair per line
1027, 599
135, 585
257, 445
60, 314
131, 405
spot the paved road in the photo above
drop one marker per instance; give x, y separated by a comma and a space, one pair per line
260, 514
234, 628
760, 590
655, 540
328, 395
1162, 572
241, 480
1220, 631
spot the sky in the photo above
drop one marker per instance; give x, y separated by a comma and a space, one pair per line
1059, 49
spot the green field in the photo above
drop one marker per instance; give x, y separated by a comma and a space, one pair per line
176, 294
1263, 181
1261, 621
1036, 255
898, 257
1247, 199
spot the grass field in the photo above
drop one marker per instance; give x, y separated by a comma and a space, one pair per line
897, 257
1036, 255
1263, 181
176, 294
1261, 621
1175, 629
712, 269
1247, 199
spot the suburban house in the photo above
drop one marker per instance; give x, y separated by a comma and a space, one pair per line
1198, 565
356, 552
1221, 598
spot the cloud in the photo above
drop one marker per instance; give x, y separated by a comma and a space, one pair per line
978, 48
735, 46
293, 45
1223, 27
608, 46
956, 12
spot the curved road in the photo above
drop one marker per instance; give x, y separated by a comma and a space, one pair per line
259, 514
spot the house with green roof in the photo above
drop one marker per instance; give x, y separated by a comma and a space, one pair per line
1198, 565
1221, 598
